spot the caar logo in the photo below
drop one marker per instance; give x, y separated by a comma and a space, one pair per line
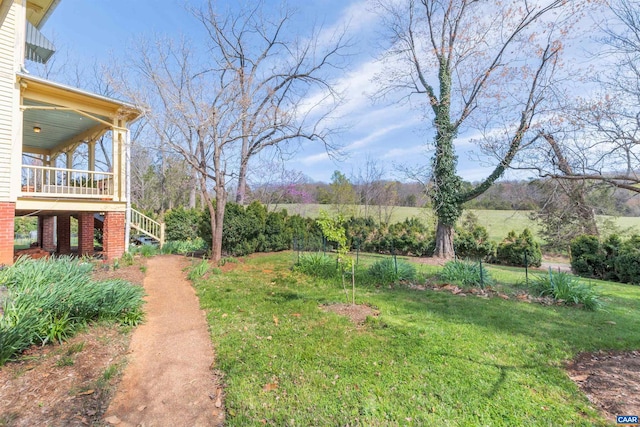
627, 419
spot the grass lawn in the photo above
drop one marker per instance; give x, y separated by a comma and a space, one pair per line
430, 358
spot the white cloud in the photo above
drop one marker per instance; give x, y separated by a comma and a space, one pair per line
415, 150
314, 159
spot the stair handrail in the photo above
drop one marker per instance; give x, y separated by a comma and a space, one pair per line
148, 226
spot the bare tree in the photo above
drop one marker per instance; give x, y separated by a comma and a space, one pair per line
194, 113
284, 90
369, 184
272, 184
464, 58
600, 134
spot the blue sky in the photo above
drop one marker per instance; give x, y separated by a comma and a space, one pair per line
397, 134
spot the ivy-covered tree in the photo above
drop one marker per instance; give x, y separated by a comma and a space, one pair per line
485, 64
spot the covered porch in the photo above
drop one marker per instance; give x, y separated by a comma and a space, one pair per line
74, 166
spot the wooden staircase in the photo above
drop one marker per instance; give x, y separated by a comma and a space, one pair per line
147, 226
139, 222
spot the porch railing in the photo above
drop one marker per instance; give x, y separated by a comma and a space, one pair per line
42, 181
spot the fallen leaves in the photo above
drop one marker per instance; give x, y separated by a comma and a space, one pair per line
270, 387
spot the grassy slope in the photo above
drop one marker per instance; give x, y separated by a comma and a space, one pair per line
431, 358
498, 223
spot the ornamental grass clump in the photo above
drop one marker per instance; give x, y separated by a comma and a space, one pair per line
317, 265
466, 274
198, 270
390, 270
184, 246
566, 288
48, 300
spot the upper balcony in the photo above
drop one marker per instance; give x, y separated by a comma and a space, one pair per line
74, 143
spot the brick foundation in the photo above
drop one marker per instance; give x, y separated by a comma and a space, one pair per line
113, 235
64, 234
85, 233
7, 219
47, 233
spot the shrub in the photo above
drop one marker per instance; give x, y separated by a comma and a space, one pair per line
182, 224
275, 235
588, 257
317, 265
410, 237
474, 244
241, 228
390, 270
466, 274
512, 250
565, 287
48, 299
627, 261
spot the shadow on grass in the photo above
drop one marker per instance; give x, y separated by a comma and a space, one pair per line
568, 327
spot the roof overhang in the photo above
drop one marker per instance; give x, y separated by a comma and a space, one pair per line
57, 116
38, 11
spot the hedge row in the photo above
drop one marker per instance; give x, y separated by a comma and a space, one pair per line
612, 259
253, 229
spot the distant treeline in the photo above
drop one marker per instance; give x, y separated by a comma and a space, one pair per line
505, 195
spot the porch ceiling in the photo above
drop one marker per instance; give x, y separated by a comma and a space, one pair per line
57, 127
56, 116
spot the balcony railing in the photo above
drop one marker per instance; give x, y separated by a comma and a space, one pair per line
41, 181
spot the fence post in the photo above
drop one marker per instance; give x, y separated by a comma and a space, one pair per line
481, 274
395, 259
526, 268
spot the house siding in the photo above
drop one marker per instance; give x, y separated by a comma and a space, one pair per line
7, 87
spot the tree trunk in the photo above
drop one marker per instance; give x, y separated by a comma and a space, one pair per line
216, 241
216, 253
193, 191
217, 224
444, 241
242, 184
575, 191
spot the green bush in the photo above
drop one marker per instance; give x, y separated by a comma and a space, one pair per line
588, 259
409, 237
474, 244
512, 250
565, 287
627, 261
182, 224
466, 274
253, 229
48, 299
390, 270
317, 265
275, 235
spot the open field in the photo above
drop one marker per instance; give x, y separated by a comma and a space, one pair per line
497, 223
429, 358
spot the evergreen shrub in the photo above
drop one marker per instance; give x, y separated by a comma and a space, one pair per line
512, 250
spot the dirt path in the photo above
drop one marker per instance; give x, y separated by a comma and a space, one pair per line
169, 380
